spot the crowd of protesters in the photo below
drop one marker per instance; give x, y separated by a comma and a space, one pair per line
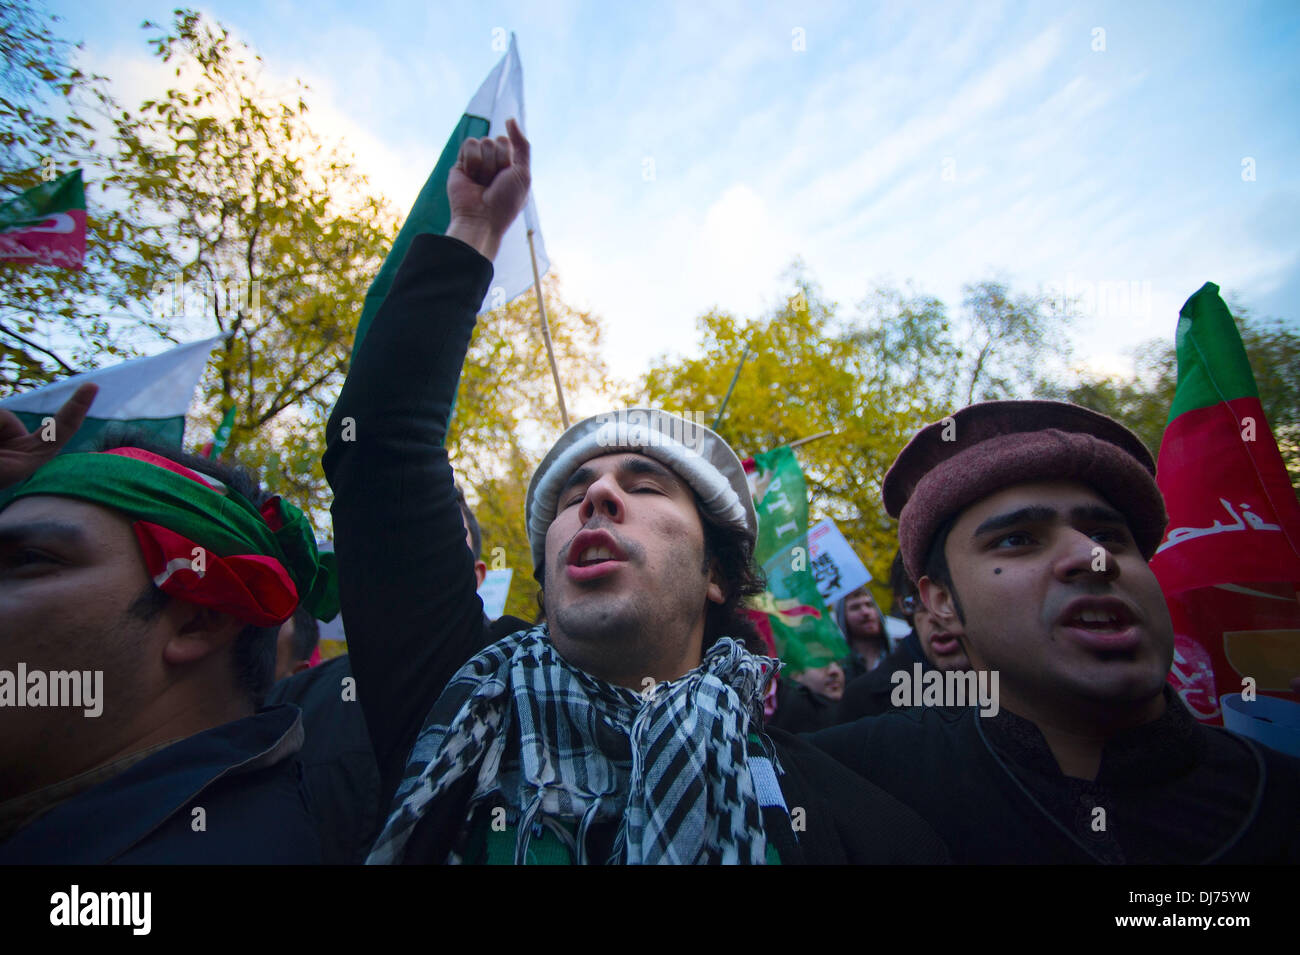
630, 725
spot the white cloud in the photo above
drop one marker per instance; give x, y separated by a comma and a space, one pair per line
834, 154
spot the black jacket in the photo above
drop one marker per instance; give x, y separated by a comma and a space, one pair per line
406, 577
800, 710
1171, 791
243, 775
848, 820
338, 762
338, 759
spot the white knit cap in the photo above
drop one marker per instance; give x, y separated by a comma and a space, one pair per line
690, 450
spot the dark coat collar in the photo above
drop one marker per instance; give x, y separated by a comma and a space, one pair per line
1154, 752
102, 823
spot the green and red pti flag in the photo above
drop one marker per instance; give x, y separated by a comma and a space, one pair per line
46, 225
790, 615
1229, 564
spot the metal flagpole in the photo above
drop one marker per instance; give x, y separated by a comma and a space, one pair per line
546, 332
813, 437
730, 388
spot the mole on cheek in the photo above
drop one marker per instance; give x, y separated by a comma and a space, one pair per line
997, 570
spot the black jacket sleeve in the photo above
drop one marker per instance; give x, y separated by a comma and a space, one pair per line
844, 818
406, 576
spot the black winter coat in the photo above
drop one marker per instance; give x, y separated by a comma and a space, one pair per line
1172, 791
244, 777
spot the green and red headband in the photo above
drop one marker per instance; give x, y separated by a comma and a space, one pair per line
202, 542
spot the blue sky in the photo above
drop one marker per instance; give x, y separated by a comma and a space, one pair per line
684, 156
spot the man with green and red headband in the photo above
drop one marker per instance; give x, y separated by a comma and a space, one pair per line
141, 591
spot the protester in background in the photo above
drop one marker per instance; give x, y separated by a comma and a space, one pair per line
338, 758
928, 645
863, 626
1028, 526
827, 681
626, 729
808, 700
295, 644
98, 575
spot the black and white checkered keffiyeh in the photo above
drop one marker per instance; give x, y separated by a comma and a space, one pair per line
669, 765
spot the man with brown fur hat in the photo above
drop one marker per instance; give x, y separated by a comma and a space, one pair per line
1028, 526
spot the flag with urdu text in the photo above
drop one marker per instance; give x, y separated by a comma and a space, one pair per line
46, 225
1229, 564
790, 614
501, 97
149, 394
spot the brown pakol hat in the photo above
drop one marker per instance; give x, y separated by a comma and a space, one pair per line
986, 447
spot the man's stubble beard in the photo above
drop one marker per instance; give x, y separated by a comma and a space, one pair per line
599, 620
593, 629
1059, 691
628, 631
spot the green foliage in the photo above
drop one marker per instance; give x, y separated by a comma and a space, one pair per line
1274, 352
901, 362
808, 372
225, 213
233, 216
54, 321
271, 237
222, 190
873, 380
909, 352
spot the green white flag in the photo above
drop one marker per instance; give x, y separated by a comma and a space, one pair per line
501, 97
791, 613
150, 394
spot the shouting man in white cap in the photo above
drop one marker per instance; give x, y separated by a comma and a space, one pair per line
628, 728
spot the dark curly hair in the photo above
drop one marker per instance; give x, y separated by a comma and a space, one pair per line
733, 549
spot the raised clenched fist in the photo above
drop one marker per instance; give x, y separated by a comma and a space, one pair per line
488, 187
